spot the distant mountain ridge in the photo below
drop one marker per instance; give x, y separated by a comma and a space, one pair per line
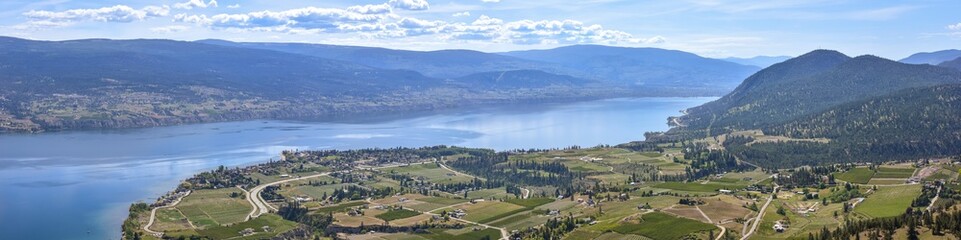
932, 58
437, 64
758, 61
649, 68
643, 67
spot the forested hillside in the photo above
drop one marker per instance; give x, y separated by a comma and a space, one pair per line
911, 124
809, 84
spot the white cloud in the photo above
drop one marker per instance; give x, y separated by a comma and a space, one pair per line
233, 6
462, 14
414, 5
491, 1
190, 4
118, 13
380, 21
956, 27
170, 29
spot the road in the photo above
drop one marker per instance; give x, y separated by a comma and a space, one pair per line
260, 206
760, 214
153, 214
935, 199
723, 229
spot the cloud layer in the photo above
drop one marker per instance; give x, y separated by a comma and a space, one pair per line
384, 21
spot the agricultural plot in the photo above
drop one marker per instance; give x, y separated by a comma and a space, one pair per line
275, 225
210, 208
724, 208
888, 201
429, 172
339, 207
800, 224
465, 234
170, 219
891, 172
487, 211
860, 175
698, 187
395, 214
653, 226
314, 192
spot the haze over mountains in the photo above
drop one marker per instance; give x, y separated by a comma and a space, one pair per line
759, 61
99, 83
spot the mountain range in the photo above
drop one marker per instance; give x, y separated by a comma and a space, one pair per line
759, 61
101, 83
932, 58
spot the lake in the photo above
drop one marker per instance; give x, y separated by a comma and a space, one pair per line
78, 184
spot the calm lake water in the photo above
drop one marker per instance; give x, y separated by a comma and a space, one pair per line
78, 185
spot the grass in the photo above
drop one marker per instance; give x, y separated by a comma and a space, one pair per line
210, 208
397, 214
698, 187
658, 225
888, 201
276, 223
859, 175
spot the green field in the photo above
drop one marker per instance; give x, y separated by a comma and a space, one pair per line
655, 226
210, 208
276, 223
888, 201
530, 203
885, 172
698, 187
484, 212
438, 234
397, 214
859, 175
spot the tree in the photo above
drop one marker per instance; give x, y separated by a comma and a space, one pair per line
912, 230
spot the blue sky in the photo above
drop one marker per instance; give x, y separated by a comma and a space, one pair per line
714, 28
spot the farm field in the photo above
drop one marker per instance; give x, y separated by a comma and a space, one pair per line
653, 225
888, 201
860, 175
429, 172
275, 223
698, 187
487, 211
395, 214
210, 208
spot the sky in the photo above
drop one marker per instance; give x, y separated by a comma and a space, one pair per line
711, 28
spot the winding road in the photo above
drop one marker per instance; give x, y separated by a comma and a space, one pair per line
153, 214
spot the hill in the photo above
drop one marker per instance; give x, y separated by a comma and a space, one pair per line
758, 61
438, 64
932, 58
955, 64
908, 125
643, 67
808, 84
